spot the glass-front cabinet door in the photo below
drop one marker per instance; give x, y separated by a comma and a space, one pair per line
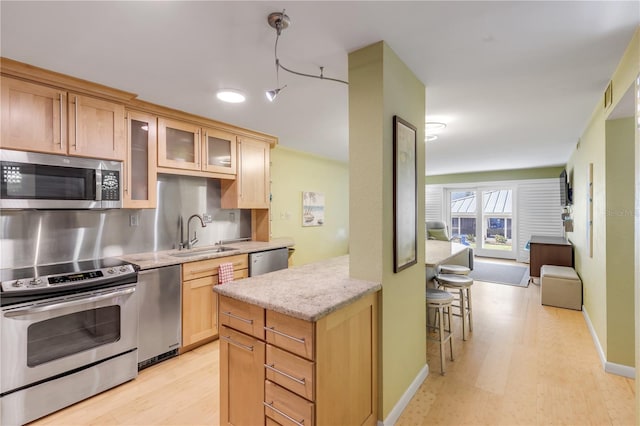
178, 144
218, 151
140, 168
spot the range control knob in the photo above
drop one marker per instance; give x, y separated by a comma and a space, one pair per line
123, 268
35, 282
111, 271
17, 284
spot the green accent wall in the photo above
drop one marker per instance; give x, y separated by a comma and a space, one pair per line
601, 297
293, 172
381, 86
620, 141
495, 176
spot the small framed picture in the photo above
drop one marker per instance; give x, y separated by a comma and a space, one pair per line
312, 209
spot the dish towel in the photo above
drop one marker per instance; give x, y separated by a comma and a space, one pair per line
225, 272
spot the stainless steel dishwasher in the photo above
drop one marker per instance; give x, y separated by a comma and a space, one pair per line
261, 262
159, 314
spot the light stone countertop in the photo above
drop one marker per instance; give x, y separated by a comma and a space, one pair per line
438, 252
158, 259
307, 292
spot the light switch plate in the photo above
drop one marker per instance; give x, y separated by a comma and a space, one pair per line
207, 218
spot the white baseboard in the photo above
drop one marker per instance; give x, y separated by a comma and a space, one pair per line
620, 370
402, 403
609, 367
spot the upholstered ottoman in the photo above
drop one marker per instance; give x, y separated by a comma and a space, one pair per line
560, 286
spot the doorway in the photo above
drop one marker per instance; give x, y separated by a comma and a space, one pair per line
483, 219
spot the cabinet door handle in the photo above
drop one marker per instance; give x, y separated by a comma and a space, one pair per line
230, 315
238, 344
288, 376
280, 333
291, 419
125, 170
60, 94
75, 123
239, 170
197, 151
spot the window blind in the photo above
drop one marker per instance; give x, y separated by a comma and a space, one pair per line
433, 199
539, 212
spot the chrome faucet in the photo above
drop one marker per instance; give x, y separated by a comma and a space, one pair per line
191, 242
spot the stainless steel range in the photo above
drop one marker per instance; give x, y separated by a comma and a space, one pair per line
69, 331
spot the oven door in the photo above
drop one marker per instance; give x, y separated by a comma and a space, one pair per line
53, 337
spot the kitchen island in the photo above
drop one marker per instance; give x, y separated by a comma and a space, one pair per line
299, 346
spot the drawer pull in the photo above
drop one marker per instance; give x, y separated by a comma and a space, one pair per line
199, 271
280, 333
230, 315
288, 376
270, 405
234, 343
213, 270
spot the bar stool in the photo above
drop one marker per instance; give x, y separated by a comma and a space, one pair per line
454, 269
441, 301
463, 284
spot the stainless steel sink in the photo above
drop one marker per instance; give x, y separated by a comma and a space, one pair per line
203, 252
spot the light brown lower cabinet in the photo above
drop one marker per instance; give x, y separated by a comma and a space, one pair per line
242, 375
199, 302
297, 372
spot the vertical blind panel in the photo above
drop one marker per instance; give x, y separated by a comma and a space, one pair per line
433, 200
539, 213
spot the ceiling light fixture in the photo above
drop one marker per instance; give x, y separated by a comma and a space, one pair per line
430, 138
230, 95
280, 21
431, 126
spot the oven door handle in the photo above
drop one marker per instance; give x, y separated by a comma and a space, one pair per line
66, 304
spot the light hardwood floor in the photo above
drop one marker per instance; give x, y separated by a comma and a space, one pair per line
524, 364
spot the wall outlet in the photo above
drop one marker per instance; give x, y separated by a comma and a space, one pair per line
207, 218
232, 217
134, 219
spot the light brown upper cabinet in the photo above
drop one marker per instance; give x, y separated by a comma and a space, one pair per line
250, 190
34, 117
96, 128
218, 151
140, 167
178, 144
44, 119
187, 148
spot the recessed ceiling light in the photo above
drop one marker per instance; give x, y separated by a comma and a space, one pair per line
231, 96
430, 138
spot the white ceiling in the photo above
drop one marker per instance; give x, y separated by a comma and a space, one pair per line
516, 81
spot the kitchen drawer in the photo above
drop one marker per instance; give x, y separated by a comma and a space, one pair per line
212, 280
242, 316
290, 371
292, 334
268, 421
203, 268
286, 407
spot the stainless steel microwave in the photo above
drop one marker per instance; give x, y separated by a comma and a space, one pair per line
30, 180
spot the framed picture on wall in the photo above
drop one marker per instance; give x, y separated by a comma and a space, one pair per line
405, 194
312, 209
